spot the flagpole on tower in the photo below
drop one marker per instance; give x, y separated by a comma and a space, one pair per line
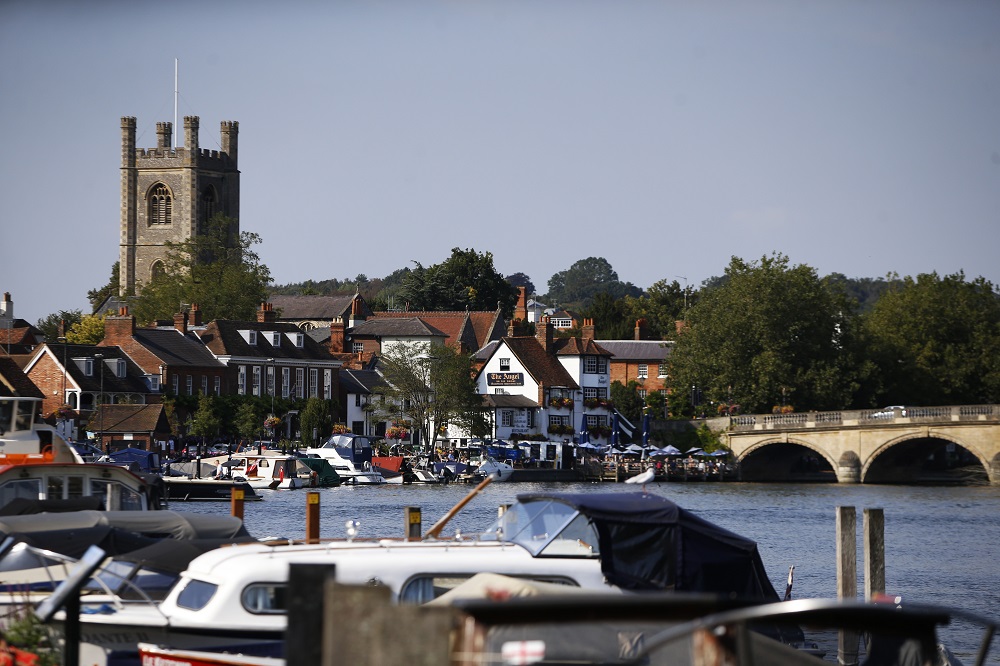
176, 130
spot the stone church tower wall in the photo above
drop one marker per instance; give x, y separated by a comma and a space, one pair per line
168, 194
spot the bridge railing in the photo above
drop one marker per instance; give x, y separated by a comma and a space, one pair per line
865, 417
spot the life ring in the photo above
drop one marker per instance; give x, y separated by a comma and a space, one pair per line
47, 450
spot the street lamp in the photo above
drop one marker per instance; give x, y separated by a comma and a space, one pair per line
100, 424
65, 428
271, 380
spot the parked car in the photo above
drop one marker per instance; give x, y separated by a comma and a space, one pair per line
890, 412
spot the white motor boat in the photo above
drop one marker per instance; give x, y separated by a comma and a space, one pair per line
262, 471
351, 457
234, 599
500, 471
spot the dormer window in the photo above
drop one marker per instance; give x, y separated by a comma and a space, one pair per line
88, 367
120, 369
300, 340
252, 339
276, 339
154, 382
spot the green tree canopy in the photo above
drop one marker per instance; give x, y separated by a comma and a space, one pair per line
50, 325
577, 286
316, 418
936, 341
218, 270
206, 421
770, 333
466, 280
88, 331
663, 304
429, 386
99, 295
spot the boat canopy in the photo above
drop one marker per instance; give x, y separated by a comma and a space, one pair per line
647, 542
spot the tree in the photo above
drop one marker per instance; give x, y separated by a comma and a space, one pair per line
936, 341
627, 400
219, 272
99, 295
465, 281
522, 280
663, 304
206, 421
88, 331
769, 334
315, 417
50, 325
577, 285
248, 422
610, 320
430, 386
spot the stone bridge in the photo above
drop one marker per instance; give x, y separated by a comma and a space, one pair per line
955, 444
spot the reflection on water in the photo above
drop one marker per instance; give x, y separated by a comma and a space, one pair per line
942, 543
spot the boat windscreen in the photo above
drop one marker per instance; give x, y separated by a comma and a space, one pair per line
534, 524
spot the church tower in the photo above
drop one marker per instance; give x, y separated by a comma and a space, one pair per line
169, 194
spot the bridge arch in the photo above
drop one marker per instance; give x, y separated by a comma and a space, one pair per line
925, 457
787, 459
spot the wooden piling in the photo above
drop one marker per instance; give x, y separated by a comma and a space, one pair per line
236, 502
305, 624
847, 578
414, 530
312, 517
873, 526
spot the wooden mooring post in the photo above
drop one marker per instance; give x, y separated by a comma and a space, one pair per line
312, 517
847, 578
305, 624
236, 502
414, 523
873, 526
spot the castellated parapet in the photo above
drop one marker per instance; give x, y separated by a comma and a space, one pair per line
169, 194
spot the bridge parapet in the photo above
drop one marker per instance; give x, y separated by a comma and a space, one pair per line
865, 418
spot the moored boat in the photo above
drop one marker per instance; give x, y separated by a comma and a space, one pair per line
351, 457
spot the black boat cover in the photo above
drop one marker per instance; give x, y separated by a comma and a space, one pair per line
117, 532
649, 543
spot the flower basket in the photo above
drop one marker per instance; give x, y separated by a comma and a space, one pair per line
561, 403
63, 413
397, 432
272, 422
340, 429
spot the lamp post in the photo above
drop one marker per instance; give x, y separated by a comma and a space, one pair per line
100, 424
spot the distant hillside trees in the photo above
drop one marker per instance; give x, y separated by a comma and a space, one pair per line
577, 286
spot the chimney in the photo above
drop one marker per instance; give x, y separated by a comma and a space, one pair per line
266, 314
180, 322
194, 316
118, 328
522, 304
543, 333
356, 314
7, 307
587, 331
640, 329
337, 335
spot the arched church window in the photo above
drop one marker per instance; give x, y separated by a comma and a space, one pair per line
157, 271
209, 206
160, 205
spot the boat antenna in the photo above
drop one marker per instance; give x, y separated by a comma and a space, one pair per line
434, 531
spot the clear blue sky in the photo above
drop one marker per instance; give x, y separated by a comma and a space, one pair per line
666, 137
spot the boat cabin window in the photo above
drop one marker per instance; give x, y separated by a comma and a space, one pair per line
264, 598
6, 416
546, 527
64, 487
18, 488
117, 497
196, 594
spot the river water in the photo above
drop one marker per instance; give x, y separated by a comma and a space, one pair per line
942, 543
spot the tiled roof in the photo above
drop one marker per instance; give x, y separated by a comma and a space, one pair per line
471, 329
638, 350
130, 418
174, 348
223, 338
312, 307
545, 368
505, 400
576, 347
17, 336
134, 380
397, 327
360, 381
13, 381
